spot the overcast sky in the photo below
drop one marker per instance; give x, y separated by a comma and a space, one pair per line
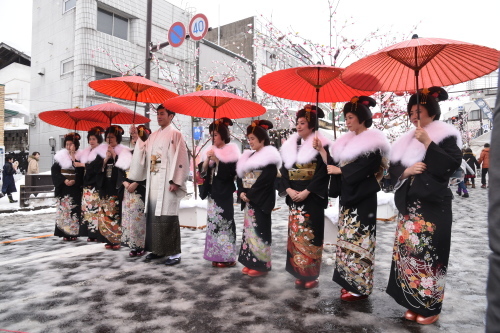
469, 21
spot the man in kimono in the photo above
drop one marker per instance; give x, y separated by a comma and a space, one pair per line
163, 161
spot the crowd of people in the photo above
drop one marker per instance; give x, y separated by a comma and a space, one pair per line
130, 196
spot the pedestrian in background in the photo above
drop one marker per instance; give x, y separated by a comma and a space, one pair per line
484, 160
33, 164
473, 164
9, 185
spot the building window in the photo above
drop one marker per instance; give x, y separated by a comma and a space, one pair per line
68, 4
270, 59
474, 115
103, 75
169, 72
67, 66
112, 24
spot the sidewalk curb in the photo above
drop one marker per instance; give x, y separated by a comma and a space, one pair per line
26, 209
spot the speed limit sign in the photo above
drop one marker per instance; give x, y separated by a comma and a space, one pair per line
198, 27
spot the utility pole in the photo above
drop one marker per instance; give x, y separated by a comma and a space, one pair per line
147, 70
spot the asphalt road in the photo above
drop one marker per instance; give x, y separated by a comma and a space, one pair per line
47, 285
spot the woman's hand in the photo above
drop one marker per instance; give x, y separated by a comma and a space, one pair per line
211, 155
78, 165
68, 182
318, 145
110, 153
422, 136
243, 196
415, 169
131, 187
302, 195
333, 170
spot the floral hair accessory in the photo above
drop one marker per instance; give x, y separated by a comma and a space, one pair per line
143, 129
425, 92
74, 135
254, 124
354, 100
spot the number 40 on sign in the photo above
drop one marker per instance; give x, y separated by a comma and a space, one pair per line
198, 27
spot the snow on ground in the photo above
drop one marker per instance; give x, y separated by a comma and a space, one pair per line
48, 285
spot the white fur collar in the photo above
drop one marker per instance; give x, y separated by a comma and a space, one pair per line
227, 154
89, 154
305, 154
254, 160
350, 146
124, 157
409, 150
64, 159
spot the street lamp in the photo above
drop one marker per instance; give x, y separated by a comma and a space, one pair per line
52, 144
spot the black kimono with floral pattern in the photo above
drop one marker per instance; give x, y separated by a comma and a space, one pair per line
422, 243
355, 251
306, 220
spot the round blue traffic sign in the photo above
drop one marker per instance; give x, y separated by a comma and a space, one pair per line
177, 34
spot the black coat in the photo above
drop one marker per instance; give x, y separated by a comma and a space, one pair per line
472, 161
9, 184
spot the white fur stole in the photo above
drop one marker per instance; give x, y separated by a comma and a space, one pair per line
350, 146
89, 154
124, 157
255, 160
227, 154
409, 150
305, 154
63, 158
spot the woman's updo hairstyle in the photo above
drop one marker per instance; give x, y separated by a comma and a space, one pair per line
309, 112
259, 128
360, 107
73, 137
221, 126
117, 131
97, 132
429, 98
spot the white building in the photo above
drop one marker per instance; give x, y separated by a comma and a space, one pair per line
75, 42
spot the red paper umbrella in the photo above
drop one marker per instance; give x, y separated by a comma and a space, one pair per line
212, 103
64, 118
133, 88
108, 113
312, 83
208, 103
318, 83
421, 62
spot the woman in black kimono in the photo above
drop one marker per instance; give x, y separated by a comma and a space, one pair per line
115, 164
218, 170
257, 170
68, 181
422, 162
360, 157
304, 181
92, 159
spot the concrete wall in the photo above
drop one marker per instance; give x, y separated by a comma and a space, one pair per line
73, 35
16, 78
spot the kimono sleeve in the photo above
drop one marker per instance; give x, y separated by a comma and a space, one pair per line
138, 166
262, 193
179, 162
444, 159
283, 182
57, 178
360, 169
319, 182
